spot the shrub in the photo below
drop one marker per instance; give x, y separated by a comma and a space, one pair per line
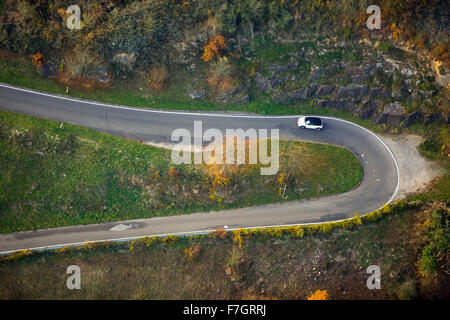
441, 52
38, 59
81, 65
238, 236
173, 173
219, 233
16, 254
221, 75
131, 248
236, 264
214, 47
428, 261
148, 241
169, 240
192, 252
275, 232
297, 231
407, 290
373, 216
319, 295
63, 249
327, 227
157, 76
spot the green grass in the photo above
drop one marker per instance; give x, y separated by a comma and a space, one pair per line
56, 176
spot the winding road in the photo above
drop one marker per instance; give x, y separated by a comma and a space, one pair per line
378, 187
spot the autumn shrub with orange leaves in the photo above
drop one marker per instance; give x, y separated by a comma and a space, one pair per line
442, 52
214, 47
192, 252
319, 295
38, 59
219, 76
173, 173
220, 233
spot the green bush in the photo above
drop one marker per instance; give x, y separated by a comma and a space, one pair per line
407, 290
428, 261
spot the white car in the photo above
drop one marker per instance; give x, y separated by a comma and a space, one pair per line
310, 123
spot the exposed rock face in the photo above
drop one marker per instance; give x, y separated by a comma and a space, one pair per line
352, 91
197, 94
386, 94
337, 104
293, 96
276, 82
375, 92
434, 117
392, 115
261, 83
312, 90
281, 69
48, 70
234, 99
413, 117
365, 88
187, 50
325, 90
366, 110
422, 94
315, 74
359, 78
126, 59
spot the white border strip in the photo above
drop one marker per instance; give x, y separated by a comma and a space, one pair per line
74, 244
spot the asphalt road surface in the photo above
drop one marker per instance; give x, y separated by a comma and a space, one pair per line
379, 185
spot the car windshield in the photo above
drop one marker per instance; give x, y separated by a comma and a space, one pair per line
313, 121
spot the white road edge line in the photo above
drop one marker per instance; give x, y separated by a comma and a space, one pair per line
192, 114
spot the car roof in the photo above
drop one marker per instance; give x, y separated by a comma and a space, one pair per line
313, 119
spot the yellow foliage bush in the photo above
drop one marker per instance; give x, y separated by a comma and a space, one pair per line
63, 249
148, 241
221, 180
17, 254
327, 227
297, 231
319, 295
192, 252
238, 236
38, 59
169, 240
